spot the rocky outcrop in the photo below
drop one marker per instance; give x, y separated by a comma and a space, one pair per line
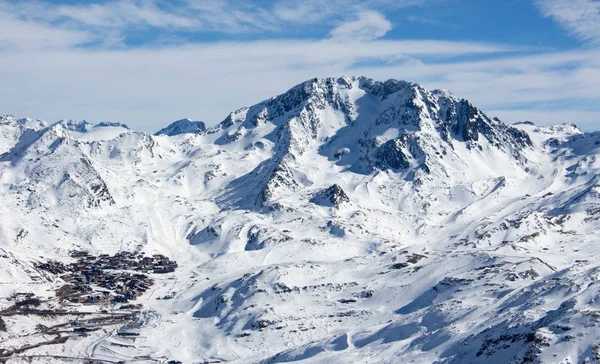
333, 196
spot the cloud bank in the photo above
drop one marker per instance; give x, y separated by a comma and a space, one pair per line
74, 61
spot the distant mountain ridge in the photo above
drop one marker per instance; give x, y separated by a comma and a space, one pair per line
183, 126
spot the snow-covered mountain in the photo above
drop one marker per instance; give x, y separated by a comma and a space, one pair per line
183, 126
346, 220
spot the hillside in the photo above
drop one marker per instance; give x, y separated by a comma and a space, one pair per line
345, 220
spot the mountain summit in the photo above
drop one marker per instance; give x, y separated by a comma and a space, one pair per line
363, 126
183, 126
344, 219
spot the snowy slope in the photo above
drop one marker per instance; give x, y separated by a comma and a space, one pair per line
345, 220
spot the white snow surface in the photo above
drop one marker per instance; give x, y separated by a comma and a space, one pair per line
464, 240
183, 126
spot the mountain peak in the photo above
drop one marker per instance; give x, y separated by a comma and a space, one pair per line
365, 125
182, 126
80, 126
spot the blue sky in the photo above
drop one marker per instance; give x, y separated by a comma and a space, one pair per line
149, 62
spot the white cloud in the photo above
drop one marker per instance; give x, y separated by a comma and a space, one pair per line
581, 18
16, 33
315, 11
148, 88
367, 26
232, 16
119, 14
116, 17
204, 81
516, 82
50, 76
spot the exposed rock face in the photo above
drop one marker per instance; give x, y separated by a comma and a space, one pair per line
390, 155
334, 195
264, 237
111, 124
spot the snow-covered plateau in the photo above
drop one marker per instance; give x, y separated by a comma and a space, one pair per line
344, 221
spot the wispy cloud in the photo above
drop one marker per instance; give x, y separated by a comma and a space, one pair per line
20, 34
367, 26
119, 14
113, 19
580, 18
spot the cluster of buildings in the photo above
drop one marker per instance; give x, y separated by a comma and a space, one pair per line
133, 261
109, 286
108, 278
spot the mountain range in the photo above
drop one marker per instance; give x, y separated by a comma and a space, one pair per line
345, 220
